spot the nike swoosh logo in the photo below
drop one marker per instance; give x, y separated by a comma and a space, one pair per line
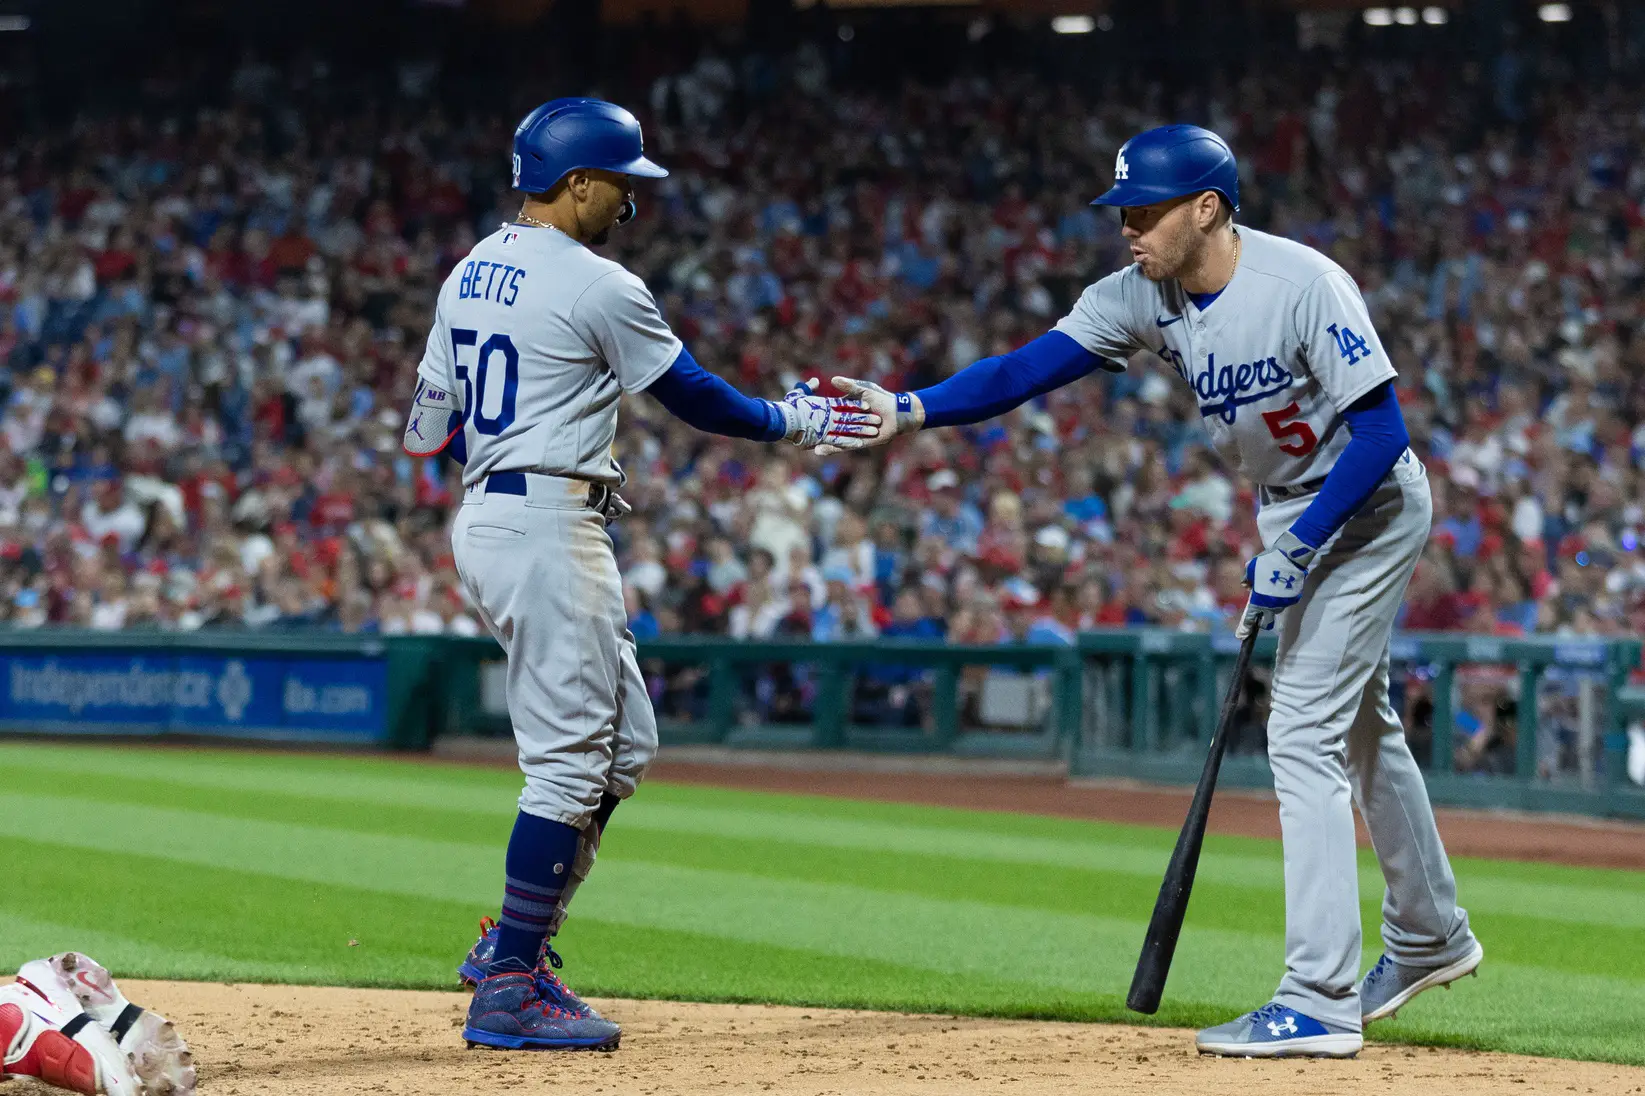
1167, 323
84, 977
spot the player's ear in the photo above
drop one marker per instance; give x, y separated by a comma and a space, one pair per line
1208, 210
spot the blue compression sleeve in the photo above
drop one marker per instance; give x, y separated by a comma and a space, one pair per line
994, 386
698, 398
1377, 438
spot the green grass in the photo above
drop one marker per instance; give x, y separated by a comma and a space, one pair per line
229, 866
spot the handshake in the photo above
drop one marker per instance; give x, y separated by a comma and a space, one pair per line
865, 416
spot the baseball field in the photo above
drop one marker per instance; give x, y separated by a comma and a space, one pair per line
201, 866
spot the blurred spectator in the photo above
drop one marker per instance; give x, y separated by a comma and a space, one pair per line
209, 327
845, 612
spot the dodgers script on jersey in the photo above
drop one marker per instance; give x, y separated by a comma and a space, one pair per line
1273, 361
539, 337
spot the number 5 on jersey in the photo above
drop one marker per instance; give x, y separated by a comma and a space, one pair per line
474, 392
1282, 429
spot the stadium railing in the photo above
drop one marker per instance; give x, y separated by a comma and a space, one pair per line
1537, 723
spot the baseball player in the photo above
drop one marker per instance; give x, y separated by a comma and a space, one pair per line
65, 1022
1296, 391
535, 338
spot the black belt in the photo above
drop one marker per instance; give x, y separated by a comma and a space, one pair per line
1314, 485
1294, 492
513, 483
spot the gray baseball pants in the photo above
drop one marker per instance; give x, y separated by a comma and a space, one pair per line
1334, 739
542, 573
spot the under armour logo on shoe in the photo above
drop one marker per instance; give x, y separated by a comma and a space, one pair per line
1289, 1027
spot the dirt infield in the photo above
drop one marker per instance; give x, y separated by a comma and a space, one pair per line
304, 1041
1499, 835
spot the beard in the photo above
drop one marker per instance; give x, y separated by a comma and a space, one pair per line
1162, 263
599, 238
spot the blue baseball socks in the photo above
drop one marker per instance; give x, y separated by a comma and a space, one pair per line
540, 855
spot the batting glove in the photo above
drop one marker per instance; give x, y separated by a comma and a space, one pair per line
1275, 578
899, 412
836, 423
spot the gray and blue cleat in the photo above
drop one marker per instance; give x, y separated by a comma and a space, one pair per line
1389, 986
1276, 1031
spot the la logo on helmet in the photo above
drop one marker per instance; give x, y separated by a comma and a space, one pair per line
1121, 171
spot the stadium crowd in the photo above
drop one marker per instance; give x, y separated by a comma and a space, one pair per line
210, 319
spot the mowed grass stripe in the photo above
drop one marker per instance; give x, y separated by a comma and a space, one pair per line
1129, 897
315, 854
394, 949
237, 923
460, 788
848, 920
1068, 952
1053, 948
25, 938
320, 852
664, 829
430, 821
482, 791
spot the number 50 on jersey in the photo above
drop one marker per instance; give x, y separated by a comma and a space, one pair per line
483, 380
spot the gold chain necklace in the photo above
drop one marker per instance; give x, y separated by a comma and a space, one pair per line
526, 219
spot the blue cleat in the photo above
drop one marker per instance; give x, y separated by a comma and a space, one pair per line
1275, 1031
473, 969
1389, 986
477, 965
519, 1009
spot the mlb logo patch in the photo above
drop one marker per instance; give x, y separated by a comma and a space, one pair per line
510, 237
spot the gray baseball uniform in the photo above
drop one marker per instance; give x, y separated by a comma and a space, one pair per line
1274, 361
538, 337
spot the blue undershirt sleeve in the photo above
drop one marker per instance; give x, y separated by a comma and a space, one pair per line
994, 386
698, 398
1377, 439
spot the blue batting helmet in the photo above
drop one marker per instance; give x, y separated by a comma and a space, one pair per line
563, 135
1169, 162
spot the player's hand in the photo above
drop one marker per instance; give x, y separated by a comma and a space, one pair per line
836, 423
899, 412
1276, 580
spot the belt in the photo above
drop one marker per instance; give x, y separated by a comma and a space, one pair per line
1296, 492
1277, 494
505, 483
597, 497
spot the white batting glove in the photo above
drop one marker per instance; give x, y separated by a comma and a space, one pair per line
1276, 579
836, 423
899, 412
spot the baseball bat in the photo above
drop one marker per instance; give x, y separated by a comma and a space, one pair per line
1154, 964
